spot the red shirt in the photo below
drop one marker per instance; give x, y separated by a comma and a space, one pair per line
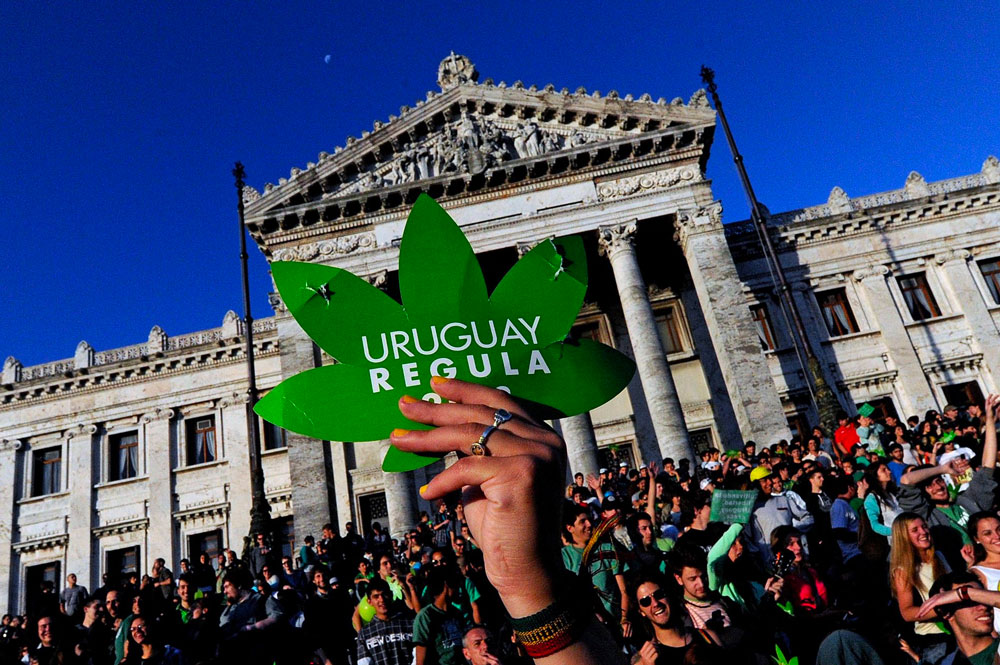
846, 437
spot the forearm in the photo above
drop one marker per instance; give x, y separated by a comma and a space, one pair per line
990, 444
915, 477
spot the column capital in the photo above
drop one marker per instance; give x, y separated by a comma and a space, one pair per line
158, 414
953, 255
690, 221
11, 444
614, 238
234, 399
868, 272
80, 430
377, 279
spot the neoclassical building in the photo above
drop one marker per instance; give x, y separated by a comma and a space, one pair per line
111, 459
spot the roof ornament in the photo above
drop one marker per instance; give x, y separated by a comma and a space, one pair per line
455, 70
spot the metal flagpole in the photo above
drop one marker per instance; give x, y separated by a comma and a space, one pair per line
260, 509
820, 394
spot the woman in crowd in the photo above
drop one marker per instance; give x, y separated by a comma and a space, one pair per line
146, 648
881, 504
914, 565
670, 638
984, 530
803, 586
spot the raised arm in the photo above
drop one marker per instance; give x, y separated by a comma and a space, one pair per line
651, 499
509, 496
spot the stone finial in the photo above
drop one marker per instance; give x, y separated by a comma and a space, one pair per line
250, 194
157, 340
991, 169
838, 201
676, 101
699, 100
455, 70
84, 356
11, 370
916, 186
232, 325
614, 238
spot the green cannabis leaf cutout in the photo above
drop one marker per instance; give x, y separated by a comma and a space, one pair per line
515, 338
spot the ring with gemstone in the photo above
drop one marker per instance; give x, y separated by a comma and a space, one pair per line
499, 418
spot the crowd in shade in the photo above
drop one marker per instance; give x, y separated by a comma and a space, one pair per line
878, 542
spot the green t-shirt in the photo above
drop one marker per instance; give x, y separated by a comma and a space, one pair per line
985, 657
604, 565
441, 634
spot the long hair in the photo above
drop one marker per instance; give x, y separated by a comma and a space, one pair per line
887, 494
904, 559
673, 602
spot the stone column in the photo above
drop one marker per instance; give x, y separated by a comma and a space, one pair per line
306, 460
233, 414
160, 461
80, 453
341, 483
915, 392
581, 444
400, 498
617, 242
957, 278
9, 459
751, 388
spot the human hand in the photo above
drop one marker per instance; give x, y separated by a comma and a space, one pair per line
626, 627
943, 598
908, 650
774, 585
654, 469
508, 493
647, 654
992, 404
968, 553
593, 483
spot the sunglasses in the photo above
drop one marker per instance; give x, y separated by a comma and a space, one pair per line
646, 601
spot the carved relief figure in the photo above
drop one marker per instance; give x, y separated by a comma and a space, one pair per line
531, 141
519, 145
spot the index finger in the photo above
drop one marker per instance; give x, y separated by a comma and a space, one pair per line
463, 392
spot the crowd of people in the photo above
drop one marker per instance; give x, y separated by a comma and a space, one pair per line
878, 542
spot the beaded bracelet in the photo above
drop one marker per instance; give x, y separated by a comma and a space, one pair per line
550, 630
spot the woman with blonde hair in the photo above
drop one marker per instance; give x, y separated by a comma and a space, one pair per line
914, 565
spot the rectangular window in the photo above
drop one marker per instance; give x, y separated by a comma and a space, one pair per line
611, 456
799, 426
123, 456
918, 297
209, 543
274, 436
763, 324
47, 471
991, 273
121, 562
668, 324
837, 312
201, 440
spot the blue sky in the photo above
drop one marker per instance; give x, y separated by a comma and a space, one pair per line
121, 121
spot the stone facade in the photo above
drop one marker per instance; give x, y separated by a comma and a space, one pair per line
898, 292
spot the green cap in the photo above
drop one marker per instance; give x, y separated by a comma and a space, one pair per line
866, 410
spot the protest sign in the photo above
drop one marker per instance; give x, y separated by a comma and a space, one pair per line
514, 339
732, 506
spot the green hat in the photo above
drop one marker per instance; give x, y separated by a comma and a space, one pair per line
948, 437
866, 410
858, 475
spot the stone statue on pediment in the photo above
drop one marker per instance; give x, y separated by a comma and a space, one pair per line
468, 133
520, 147
578, 139
532, 144
550, 142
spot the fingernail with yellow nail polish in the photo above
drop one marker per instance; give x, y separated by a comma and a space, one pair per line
400, 432
423, 489
409, 400
438, 379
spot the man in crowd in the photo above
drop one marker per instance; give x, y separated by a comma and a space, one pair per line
438, 629
72, 598
388, 638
